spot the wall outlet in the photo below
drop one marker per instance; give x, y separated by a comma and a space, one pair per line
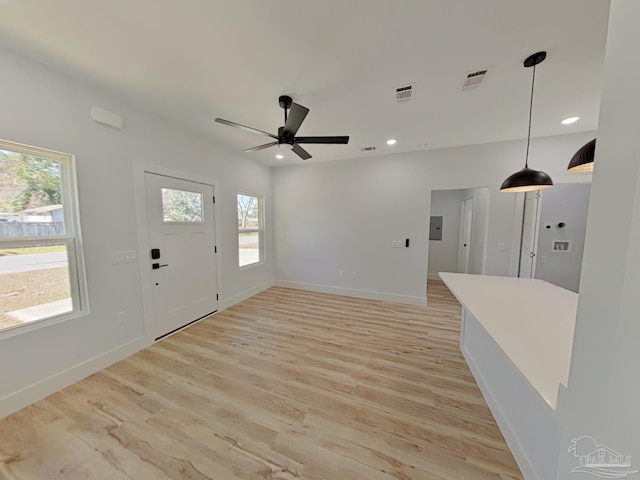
340, 273
501, 247
121, 317
355, 274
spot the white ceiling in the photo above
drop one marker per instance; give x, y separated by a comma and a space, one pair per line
190, 61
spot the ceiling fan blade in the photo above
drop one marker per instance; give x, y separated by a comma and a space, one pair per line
332, 140
301, 152
245, 128
295, 118
261, 147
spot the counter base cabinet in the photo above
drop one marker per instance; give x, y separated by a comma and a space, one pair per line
527, 422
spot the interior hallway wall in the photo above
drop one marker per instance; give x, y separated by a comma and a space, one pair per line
333, 216
569, 204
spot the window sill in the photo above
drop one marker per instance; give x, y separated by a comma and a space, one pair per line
251, 265
38, 324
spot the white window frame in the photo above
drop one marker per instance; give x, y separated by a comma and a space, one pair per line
259, 230
72, 238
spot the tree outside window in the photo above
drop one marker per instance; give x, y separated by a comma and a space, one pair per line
250, 229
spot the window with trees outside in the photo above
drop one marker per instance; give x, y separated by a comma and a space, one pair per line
41, 273
250, 229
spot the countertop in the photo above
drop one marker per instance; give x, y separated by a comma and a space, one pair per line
531, 320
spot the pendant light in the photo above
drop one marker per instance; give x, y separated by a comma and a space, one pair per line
582, 161
528, 179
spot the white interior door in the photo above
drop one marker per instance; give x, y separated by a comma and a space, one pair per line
465, 235
528, 246
182, 237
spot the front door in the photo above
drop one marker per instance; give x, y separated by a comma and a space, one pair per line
183, 252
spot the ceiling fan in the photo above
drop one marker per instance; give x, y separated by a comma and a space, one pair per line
294, 115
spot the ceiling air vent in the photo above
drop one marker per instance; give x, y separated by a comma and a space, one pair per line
474, 79
367, 149
404, 93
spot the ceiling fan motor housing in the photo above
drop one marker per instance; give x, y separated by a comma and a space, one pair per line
285, 101
285, 137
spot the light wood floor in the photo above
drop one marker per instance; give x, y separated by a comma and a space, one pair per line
286, 385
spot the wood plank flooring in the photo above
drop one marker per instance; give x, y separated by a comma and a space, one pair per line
286, 385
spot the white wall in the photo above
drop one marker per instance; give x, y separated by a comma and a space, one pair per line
343, 215
443, 254
603, 395
568, 204
42, 108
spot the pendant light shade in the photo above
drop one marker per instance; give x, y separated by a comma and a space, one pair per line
528, 179
582, 161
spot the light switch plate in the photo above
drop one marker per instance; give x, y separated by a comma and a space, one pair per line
124, 257
396, 244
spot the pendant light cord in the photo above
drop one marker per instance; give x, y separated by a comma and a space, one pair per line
533, 82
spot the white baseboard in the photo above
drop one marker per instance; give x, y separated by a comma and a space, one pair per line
228, 302
31, 394
509, 435
349, 292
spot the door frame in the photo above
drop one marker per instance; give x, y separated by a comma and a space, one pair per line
533, 255
140, 169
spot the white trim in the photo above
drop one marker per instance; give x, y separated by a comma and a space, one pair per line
505, 427
516, 236
348, 292
573, 178
37, 391
226, 303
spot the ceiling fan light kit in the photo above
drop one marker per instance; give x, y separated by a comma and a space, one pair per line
528, 179
294, 115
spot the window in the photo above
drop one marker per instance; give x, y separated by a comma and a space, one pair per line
250, 229
41, 274
180, 206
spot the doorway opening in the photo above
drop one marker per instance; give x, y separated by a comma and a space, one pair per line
459, 228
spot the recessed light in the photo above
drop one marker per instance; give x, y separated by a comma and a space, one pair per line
391, 141
279, 157
570, 120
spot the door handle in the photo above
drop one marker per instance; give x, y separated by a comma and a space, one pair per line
156, 266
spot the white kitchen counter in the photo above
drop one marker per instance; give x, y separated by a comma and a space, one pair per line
517, 337
532, 321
